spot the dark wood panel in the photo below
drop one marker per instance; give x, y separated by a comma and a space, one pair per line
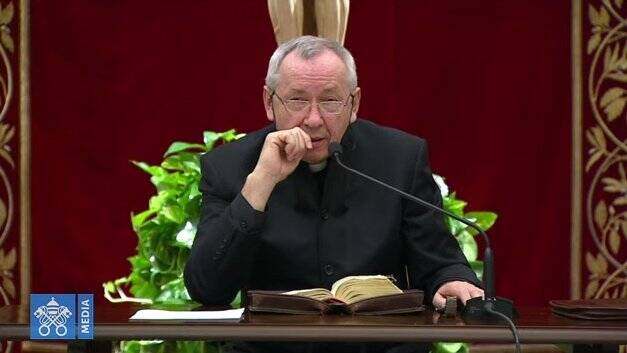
535, 325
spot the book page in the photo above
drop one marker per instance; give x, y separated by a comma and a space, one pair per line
356, 288
321, 294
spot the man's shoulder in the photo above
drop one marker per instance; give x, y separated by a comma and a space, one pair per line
380, 136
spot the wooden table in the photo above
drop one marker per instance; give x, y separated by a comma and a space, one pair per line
535, 325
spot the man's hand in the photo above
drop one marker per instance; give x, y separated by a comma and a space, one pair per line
459, 289
280, 155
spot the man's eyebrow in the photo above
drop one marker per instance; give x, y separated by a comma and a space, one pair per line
296, 91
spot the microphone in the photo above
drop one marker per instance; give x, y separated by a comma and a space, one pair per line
476, 308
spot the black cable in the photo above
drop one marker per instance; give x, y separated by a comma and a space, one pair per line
415, 199
512, 327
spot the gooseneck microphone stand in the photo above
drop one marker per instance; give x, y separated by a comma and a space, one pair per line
476, 308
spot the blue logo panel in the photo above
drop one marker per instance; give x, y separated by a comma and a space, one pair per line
52, 316
85, 316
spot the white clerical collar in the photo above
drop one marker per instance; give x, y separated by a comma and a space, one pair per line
315, 168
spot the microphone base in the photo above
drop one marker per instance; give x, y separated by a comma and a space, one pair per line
475, 309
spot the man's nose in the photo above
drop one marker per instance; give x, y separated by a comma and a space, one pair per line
313, 118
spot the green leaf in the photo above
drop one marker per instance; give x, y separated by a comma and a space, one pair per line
139, 262
145, 290
130, 346
454, 205
456, 227
177, 147
477, 266
193, 191
110, 287
237, 301
190, 163
139, 219
230, 135
485, 220
156, 202
446, 347
174, 213
468, 245
184, 162
210, 138
172, 183
150, 169
172, 163
173, 292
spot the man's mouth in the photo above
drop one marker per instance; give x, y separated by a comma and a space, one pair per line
317, 141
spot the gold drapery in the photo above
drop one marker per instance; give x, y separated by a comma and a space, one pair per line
599, 234
323, 18
14, 155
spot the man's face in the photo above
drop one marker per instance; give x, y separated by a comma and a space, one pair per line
320, 79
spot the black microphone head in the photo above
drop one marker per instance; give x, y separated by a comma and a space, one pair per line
335, 148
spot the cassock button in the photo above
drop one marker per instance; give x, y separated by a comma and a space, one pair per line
243, 225
324, 215
328, 269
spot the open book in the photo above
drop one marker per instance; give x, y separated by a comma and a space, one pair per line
354, 294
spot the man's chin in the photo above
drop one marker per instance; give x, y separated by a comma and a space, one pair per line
315, 157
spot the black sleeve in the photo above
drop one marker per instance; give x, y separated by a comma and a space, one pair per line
226, 242
433, 255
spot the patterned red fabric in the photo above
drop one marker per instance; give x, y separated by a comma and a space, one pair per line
486, 83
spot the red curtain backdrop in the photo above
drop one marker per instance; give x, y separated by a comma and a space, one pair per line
486, 83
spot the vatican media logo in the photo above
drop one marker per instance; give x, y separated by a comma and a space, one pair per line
54, 316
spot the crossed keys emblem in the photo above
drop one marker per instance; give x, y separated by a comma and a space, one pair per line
52, 314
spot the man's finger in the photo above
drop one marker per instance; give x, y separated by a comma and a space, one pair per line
301, 142
299, 149
465, 295
439, 301
289, 146
306, 139
476, 292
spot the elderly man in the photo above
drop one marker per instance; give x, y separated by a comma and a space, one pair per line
278, 215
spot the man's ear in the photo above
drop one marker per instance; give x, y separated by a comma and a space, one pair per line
267, 103
355, 105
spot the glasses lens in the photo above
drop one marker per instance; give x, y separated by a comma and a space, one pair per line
296, 106
332, 108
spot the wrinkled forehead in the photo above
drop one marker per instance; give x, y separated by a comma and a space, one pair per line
326, 66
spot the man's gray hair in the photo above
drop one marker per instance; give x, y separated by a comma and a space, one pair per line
308, 47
